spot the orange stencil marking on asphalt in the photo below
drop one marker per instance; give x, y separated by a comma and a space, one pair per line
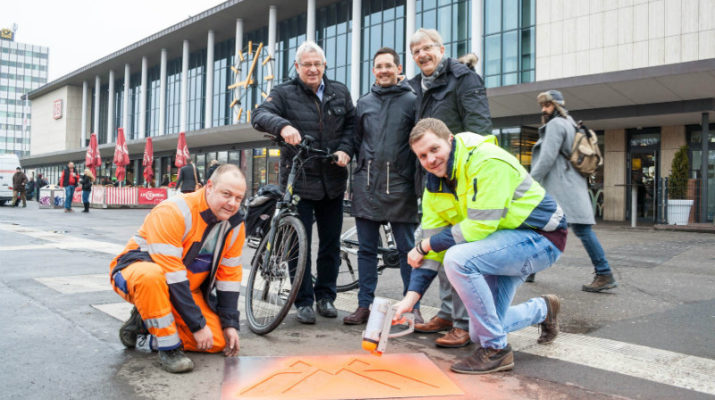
335, 377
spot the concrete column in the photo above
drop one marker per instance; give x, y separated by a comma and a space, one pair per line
184, 86
704, 143
410, 18
239, 40
209, 101
162, 94
142, 99
83, 122
310, 21
97, 84
355, 50
110, 105
125, 100
614, 175
477, 33
272, 29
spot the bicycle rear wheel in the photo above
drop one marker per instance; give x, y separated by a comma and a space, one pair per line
273, 286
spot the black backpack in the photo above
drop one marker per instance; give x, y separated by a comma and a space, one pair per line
260, 210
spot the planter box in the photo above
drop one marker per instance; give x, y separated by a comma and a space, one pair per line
679, 211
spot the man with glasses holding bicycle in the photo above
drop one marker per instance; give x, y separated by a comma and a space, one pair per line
313, 105
383, 182
455, 94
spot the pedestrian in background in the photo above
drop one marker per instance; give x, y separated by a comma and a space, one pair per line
554, 171
69, 180
86, 181
19, 179
453, 93
212, 167
41, 182
30, 187
384, 180
189, 178
314, 105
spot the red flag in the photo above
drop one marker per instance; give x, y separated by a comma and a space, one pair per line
121, 155
92, 159
148, 161
182, 151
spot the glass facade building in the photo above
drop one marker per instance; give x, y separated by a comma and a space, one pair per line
23, 67
509, 42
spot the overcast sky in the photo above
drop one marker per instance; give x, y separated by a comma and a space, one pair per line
79, 32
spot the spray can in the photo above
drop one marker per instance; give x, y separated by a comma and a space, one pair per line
377, 331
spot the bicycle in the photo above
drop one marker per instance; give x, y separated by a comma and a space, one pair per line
278, 264
387, 257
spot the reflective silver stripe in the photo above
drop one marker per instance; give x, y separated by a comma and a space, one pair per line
431, 232
555, 219
231, 262
168, 341
161, 322
523, 187
431, 265
228, 286
234, 236
175, 277
164, 249
185, 212
487, 215
141, 242
457, 234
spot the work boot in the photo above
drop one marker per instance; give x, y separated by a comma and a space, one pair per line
454, 338
530, 278
131, 328
485, 361
326, 308
550, 325
359, 317
434, 325
175, 361
600, 282
306, 315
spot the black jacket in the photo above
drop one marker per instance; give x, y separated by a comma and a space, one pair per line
383, 181
457, 98
330, 122
211, 171
86, 183
186, 181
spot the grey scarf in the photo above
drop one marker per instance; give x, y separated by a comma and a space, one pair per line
427, 81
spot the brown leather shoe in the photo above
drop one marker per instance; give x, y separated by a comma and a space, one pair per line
454, 338
550, 326
359, 317
434, 325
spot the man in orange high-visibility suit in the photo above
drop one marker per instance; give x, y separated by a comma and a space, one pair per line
182, 271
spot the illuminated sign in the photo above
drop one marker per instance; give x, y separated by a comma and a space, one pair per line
57, 109
7, 34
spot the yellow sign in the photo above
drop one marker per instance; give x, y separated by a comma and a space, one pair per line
6, 34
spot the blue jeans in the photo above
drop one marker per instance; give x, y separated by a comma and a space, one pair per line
593, 248
486, 274
368, 234
85, 196
69, 192
329, 218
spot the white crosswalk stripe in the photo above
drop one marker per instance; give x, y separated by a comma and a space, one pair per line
656, 365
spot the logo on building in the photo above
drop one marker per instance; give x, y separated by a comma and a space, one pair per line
7, 34
57, 109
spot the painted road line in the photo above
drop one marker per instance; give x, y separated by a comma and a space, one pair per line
77, 283
63, 241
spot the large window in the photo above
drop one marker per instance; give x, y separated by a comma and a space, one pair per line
224, 59
451, 19
118, 103
173, 96
383, 25
131, 132
333, 30
509, 42
152, 100
694, 143
196, 91
291, 33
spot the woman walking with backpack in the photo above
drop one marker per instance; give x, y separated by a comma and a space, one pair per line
86, 181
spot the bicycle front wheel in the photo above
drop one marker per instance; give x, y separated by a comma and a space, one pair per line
273, 284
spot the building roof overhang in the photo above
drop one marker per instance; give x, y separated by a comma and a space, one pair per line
672, 94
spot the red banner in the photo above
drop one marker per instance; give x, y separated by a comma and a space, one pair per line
152, 195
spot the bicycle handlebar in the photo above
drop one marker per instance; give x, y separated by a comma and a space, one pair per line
305, 145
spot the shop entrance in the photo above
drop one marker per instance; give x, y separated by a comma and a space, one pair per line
643, 171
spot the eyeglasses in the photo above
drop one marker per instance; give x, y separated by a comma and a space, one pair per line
317, 65
424, 48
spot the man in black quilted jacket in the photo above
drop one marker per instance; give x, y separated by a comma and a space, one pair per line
313, 105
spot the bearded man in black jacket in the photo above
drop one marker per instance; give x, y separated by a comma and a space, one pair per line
313, 105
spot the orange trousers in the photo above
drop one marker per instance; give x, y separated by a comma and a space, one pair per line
147, 289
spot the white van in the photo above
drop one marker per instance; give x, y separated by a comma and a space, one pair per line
8, 167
